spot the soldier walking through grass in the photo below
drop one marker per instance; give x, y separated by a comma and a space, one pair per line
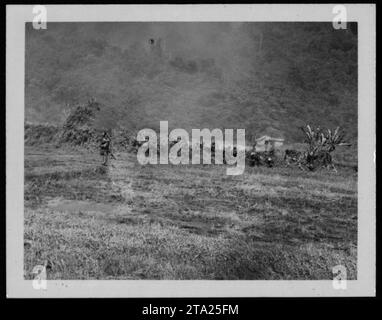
105, 148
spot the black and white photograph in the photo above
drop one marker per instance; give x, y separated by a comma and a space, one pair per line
210, 150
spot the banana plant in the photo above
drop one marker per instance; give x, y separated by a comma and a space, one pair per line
334, 139
321, 142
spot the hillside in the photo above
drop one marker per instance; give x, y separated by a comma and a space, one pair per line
268, 78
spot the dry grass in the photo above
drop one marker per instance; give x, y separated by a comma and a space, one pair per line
185, 222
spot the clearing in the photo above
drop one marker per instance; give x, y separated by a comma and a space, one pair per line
184, 222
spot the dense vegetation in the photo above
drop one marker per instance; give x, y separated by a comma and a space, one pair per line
268, 78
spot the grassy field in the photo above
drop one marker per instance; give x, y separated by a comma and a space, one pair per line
184, 222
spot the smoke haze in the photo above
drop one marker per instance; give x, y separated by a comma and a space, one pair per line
265, 77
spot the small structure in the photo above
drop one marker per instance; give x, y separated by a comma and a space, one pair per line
267, 143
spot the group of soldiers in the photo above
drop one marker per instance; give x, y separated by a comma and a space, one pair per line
255, 158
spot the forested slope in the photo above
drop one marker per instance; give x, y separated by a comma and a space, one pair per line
268, 78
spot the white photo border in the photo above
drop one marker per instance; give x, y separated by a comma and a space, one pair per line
18, 15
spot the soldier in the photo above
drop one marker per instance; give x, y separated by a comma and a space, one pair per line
105, 148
